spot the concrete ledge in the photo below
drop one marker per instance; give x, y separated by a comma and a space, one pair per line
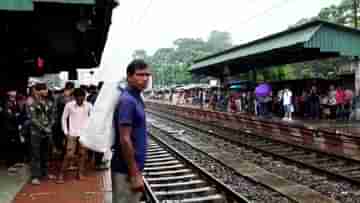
10, 185
332, 141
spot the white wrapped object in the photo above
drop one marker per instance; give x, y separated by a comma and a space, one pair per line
99, 134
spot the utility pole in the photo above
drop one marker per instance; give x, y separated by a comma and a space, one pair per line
355, 14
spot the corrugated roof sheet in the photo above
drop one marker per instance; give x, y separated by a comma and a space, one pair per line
328, 38
67, 1
27, 5
300, 36
16, 5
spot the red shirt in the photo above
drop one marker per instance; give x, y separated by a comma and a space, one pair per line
340, 97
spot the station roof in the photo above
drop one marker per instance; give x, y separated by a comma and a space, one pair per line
16, 5
27, 5
67, 1
313, 40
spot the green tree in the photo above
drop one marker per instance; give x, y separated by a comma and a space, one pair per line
344, 13
170, 66
140, 54
160, 63
188, 49
218, 41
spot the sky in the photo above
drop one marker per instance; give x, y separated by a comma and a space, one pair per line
154, 24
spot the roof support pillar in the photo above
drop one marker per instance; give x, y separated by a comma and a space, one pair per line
73, 74
225, 76
254, 75
357, 75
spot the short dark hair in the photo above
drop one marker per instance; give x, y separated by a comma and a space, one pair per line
84, 87
92, 88
40, 86
78, 92
69, 85
136, 64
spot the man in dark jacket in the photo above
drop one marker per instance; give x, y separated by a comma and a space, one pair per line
41, 122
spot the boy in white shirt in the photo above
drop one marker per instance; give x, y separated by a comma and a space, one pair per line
287, 102
75, 117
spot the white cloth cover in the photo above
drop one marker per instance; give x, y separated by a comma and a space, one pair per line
99, 134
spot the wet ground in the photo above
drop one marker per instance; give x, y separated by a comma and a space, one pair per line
95, 188
10, 185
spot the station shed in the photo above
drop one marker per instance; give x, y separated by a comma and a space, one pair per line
316, 39
41, 37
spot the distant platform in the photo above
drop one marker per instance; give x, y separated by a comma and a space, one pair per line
341, 138
348, 127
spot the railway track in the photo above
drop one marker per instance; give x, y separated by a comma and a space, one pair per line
329, 165
171, 177
340, 167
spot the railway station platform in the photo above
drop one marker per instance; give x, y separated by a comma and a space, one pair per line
95, 188
336, 137
10, 185
347, 127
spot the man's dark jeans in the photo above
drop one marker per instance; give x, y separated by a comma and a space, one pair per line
39, 155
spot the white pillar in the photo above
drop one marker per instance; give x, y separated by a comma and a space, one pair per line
357, 75
226, 75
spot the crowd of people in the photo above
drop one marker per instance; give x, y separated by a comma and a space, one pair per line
44, 125
39, 125
332, 103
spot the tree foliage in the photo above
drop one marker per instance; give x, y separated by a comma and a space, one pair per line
344, 13
170, 66
139, 54
219, 41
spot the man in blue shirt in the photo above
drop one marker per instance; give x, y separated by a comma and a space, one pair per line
131, 137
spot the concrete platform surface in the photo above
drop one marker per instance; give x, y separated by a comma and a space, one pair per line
95, 188
10, 185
